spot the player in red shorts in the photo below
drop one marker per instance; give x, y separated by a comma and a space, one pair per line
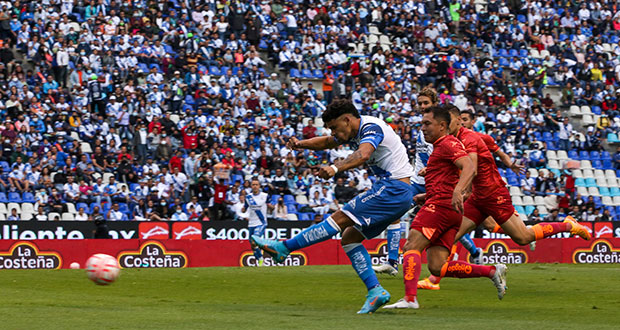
491, 199
449, 174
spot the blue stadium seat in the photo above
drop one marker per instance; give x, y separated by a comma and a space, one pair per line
305, 73
169, 49
595, 155
614, 191
224, 70
563, 37
612, 138
143, 67
605, 155
202, 69
28, 197
584, 155
523, 53
503, 62
551, 145
618, 209
556, 172
133, 186
290, 208
92, 207
14, 197
503, 53
520, 209
3, 198
572, 154
521, 18
5, 166
156, 66
590, 182
274, 199
189, 100
597, 164
82, 205
614, 39
295, 73
123, 208
237, 178
580, 182
513, 53
214, 70
607, 165
604, 191
339, 73
263, 45
597, 201
513, 181
317, 74
529, 209
235, 70
596, 110
289, 199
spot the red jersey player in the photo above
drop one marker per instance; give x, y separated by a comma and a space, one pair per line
490, 198
448, 178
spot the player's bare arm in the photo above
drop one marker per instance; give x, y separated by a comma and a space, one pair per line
315, 143
518, 169
359, 157
464, 185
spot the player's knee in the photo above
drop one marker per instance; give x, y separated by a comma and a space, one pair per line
435, 268
521, 240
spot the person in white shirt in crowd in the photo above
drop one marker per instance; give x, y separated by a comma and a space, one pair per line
115, 214
318, 204
179, 215
81, 215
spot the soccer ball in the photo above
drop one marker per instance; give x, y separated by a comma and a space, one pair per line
102, 269
74, 265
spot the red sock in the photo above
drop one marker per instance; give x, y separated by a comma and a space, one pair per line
434, 279
412, 265
463, 269
546, 229
498, 229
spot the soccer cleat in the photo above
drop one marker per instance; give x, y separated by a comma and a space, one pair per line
533, 245
375, 298
499, 279
276, 249
478, 260
403, 303
385, 269
426, 284
577, 229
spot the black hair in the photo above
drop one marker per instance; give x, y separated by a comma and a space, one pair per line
469, 114
339, 108
440, 114
452, 109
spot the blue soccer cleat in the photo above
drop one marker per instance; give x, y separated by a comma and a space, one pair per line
276, 249
375, 298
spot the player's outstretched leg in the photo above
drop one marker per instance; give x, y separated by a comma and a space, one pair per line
476, 253
393, 243
314, 234
258, 255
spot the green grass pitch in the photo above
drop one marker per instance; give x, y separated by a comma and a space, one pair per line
546, 296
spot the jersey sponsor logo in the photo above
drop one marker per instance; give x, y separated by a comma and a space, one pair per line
370, 132
315, 234
373, 195
603, 230
409, 271
26, 255
499, 252
154, 230
460, 268
152, 255
600, 252
297, 258
359, 262
501, 200
185, 230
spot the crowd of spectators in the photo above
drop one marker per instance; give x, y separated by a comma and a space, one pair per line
164, 109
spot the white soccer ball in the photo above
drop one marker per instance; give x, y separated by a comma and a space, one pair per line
74, 265
102, 269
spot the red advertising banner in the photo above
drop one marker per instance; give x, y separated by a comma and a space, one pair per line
179, 253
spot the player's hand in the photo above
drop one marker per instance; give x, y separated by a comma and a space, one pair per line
518, 169
326, 172
457, 202
419, 199
422, 172
293, 143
